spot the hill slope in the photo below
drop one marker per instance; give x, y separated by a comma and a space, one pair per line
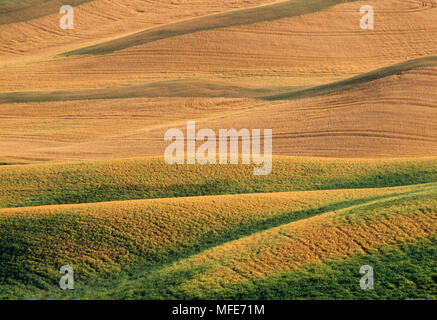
46, 184
108, 237
281, 52
354, 176
389, 112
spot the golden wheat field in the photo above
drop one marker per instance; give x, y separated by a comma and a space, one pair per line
85, 181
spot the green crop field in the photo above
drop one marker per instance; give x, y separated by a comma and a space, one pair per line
48, 184
103, 239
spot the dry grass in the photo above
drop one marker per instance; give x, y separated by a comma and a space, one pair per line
394, 116
100, 129
390, 117
35, 29
280, 52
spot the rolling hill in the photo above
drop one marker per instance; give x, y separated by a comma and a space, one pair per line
388, 112
100, 238
83, 181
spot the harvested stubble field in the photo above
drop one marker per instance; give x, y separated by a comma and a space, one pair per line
354, 180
